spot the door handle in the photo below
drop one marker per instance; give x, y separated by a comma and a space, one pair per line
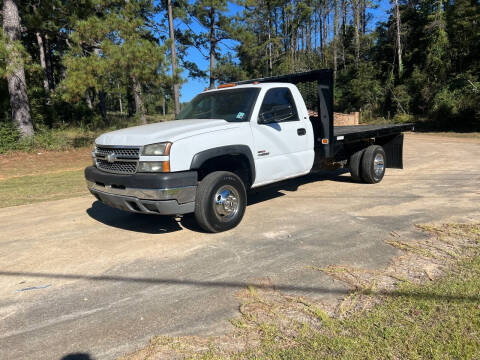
301, 131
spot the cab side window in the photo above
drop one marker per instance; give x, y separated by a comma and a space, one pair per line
278, 106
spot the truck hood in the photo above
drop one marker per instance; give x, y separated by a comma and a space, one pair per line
163, 131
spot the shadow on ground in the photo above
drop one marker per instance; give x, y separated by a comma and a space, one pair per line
77, 356
150, 224
155, 224
242, 285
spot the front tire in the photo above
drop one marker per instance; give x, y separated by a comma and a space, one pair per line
220, 201
373, 164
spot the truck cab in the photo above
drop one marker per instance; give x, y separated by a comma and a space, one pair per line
224, 142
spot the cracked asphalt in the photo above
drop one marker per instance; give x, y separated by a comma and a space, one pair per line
78, 277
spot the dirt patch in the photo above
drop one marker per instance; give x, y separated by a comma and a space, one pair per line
268, 314
42, 162
471, 137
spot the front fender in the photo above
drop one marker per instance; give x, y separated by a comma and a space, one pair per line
200, 158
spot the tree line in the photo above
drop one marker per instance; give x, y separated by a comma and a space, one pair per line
73, 62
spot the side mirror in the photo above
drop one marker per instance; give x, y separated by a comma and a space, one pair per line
278, 113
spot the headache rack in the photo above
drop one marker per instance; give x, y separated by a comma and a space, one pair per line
316, 88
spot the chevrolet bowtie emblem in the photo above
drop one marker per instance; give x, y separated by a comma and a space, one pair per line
111, 158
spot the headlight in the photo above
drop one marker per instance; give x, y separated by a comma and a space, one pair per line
160, 149
154, 166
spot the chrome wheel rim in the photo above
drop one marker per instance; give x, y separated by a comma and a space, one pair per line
226, 202
379, 165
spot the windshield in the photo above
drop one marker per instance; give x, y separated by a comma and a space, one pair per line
230, 105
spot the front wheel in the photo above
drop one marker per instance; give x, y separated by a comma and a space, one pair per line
220, 201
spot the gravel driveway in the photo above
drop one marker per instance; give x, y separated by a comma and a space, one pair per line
78, 277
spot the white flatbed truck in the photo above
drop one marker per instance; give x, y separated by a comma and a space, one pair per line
230, 139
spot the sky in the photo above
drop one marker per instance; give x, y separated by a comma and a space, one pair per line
194, 86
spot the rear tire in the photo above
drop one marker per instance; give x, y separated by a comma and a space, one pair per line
220, 201
373, 164
355, 165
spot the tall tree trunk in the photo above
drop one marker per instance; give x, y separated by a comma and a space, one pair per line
137, 94
48, 58
17, 86
43, 62
356, 25
399, 42
120, 103
102, 97
364, 16
130, 100
176, 86
335, 25
270, 43
270, 62
320, 21
102, 104
325, 32
344, 30
163, 105
88, 99
212, 47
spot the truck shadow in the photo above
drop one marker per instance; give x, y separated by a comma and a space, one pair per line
149, 224
155, 224
77, 356
272, 191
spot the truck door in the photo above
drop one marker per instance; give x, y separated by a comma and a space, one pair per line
282, 137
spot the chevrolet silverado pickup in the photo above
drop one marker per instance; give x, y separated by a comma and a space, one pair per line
228, 140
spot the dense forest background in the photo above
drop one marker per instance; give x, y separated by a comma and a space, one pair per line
96, 64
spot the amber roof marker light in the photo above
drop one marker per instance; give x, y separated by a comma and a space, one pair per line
223, 86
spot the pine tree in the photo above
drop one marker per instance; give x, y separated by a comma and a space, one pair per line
176, 95
398, 38
211, 14
17, 85
115, 45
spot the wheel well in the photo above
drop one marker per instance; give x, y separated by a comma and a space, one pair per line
237, 164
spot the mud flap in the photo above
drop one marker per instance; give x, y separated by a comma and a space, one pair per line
393, 147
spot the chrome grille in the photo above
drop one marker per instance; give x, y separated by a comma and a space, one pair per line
117, 159
117, 167
120, 152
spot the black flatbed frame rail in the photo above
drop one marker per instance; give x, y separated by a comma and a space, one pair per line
356, 132
338, 142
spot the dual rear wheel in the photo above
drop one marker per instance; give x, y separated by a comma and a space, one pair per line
368, 165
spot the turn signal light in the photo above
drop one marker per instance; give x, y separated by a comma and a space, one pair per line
166, 166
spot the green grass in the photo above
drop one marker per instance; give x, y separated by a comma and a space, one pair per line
435, 320
37, 188
66, 137
439, 320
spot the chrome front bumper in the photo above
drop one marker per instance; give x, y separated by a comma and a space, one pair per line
172, 201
